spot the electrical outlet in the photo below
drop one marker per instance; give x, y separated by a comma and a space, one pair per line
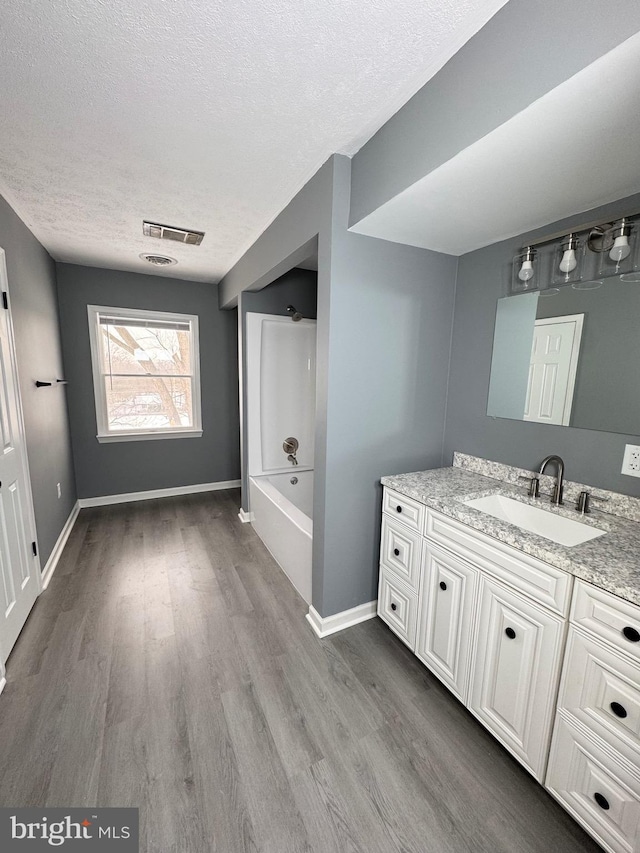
59, 490
631, 461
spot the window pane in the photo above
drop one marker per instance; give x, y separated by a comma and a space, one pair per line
147, 402
135, 349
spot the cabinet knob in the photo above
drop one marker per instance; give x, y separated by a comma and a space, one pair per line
631, 634
511, 634
394, 606
396, 551
601, 800
398, 508
443, 585
618, 709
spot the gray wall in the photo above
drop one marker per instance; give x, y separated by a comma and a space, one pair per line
524, 51
299, 288
591, 457
384, 327
389, 315
34, 310
132, 466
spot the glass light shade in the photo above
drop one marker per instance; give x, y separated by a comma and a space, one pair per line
524, 275
619, 258
634, 273
568, 261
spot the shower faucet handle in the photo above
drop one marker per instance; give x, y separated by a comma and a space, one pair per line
290, 445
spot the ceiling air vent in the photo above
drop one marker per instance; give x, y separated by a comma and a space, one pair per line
168, 232
159, 260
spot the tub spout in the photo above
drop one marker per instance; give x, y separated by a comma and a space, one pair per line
292, 459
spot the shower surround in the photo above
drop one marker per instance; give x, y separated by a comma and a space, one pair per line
281, 378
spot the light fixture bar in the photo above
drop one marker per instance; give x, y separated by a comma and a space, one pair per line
576, 229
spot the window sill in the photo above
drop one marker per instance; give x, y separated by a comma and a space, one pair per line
148, 436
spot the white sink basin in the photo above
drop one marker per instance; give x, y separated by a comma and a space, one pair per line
557, 528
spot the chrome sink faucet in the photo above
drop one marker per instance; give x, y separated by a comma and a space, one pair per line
556, 495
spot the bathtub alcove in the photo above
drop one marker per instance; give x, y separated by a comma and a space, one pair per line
281, 379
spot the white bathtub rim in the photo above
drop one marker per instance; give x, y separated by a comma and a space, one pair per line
295, 515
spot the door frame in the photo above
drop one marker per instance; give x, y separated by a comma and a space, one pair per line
578, 321
4, 287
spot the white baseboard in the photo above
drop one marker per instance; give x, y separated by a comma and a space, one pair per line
339, 621
245, 517
58, 548
129, 497
3, 684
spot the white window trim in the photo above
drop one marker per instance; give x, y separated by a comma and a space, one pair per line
104, 435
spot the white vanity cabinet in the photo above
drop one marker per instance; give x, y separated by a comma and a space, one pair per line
594, 766
486, 619
550, 667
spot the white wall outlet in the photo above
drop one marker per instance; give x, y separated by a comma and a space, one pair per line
631, 461
59, 490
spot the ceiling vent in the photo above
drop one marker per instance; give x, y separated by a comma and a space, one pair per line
159, 260
168, 232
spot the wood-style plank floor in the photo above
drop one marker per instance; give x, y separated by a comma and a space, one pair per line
169, 667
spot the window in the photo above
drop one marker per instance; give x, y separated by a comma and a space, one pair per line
145, 374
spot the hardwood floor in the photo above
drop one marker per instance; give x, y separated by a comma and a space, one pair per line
169, 666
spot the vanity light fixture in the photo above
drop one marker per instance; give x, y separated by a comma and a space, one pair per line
524, 271
567, 264
621, 249
617, 255
617, 243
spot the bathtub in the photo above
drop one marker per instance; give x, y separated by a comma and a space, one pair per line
281, 515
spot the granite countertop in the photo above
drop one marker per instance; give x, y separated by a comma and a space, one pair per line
611, 561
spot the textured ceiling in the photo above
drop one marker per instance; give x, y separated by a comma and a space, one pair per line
198, 114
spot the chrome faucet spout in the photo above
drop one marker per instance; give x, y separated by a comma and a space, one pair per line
291, 458
556, 497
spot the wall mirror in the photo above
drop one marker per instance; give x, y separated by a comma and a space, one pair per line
569, 357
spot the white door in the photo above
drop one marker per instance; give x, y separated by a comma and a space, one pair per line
552, 372
19, 567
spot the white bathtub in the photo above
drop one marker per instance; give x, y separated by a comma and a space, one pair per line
281, 515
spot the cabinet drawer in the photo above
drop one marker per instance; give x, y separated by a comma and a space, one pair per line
404, 509
515, 672
445, 618
601, 688
541, 582
608, 616
400, 550
398, 607
600, 789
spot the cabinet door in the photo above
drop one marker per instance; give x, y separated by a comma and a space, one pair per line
445, 618
515, 672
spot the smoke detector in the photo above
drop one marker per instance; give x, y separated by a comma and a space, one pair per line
159, 260
168, 232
